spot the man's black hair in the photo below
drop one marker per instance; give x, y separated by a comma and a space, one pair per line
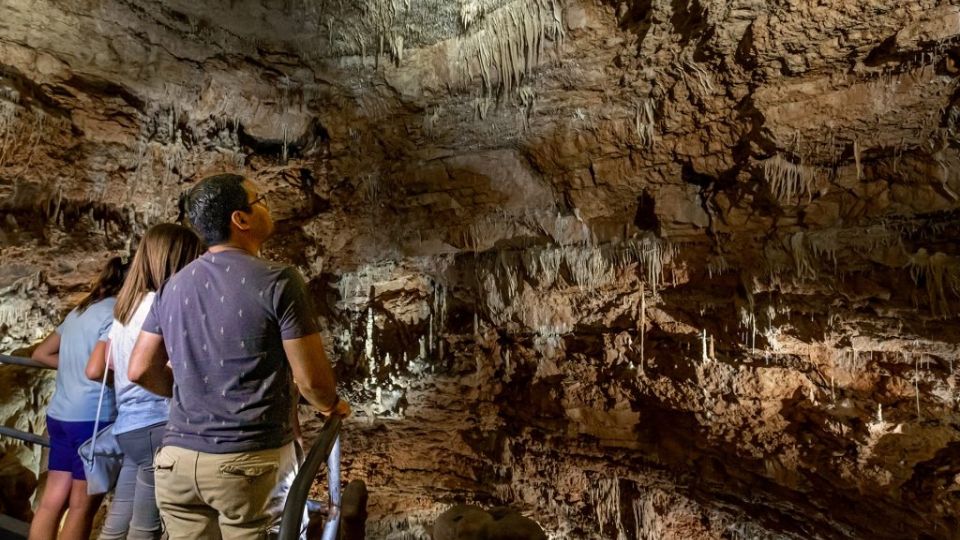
211, 203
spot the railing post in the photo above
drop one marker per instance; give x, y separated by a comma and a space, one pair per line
16, 433
293, 508
333, 480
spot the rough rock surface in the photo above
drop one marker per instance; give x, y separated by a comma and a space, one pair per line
641, 269
469, 522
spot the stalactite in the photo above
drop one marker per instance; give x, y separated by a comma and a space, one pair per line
607, 504
939, 272
526, 99
509, 43
700, 75
916, 381
548, 261
21, 130
717, 265
396, 48
509, 276
642, 331
787, 180
644, 122
588, 268
653, 254
8, 128
647, 523
856, 157
801, 257
471, 11
508, 367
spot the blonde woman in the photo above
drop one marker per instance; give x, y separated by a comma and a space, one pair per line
73, 408
142, 416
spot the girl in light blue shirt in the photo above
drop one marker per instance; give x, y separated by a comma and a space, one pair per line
73, 407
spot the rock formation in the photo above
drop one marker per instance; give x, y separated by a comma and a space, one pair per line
468, 522
639, 269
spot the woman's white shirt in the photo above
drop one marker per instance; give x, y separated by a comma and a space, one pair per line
136, 407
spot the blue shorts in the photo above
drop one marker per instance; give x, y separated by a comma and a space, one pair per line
65, 440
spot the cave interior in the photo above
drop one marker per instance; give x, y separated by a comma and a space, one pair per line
635, 269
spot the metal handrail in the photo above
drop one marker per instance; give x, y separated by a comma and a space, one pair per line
22, 361
24, 436
16, 433
322, 451
325, 449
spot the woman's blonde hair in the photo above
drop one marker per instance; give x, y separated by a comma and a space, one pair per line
164, 250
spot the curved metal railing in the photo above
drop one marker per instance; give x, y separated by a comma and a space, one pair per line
21, 361
325, 449
16, 433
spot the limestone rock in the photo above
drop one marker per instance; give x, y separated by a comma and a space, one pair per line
637, 269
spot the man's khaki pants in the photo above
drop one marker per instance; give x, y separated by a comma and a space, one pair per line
232, 496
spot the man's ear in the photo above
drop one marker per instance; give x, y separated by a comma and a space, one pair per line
240, 220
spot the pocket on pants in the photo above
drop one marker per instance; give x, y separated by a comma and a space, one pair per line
248, 468
242, 486
163, 463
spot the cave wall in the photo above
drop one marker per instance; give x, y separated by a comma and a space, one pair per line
640, 269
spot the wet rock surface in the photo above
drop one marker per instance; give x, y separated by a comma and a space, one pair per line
638, 269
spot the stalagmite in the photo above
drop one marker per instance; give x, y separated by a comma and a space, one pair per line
368, 341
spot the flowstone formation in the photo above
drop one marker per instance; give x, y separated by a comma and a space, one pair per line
641, 269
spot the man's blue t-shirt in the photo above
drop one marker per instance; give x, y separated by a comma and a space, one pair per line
223, 319
75, 398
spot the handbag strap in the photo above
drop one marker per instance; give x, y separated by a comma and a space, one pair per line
96, 421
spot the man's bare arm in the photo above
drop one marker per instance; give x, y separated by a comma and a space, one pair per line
314, 375
148, 365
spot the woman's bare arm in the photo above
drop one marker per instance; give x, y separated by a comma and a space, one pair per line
97, 363
48, 352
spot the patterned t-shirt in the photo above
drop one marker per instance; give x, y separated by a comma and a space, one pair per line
223, 318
